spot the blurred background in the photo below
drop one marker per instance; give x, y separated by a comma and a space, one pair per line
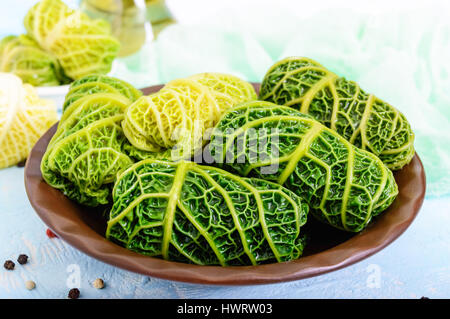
398, 50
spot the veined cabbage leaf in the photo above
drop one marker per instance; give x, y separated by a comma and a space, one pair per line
181, 111
94, 107
227, 90
204, 215
344, 186
84, 164
88, 109
44, 17
180, 114
24, 117
361, 118
88, 149
82, 45
22, 56
99, 84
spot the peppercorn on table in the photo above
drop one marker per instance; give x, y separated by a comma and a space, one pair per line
395, 55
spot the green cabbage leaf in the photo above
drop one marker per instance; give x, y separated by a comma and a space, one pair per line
88, 149
82, 45
181, 113
186, 212
343, 185
361, 118
84, 164
227, 90
22, 56
96, 83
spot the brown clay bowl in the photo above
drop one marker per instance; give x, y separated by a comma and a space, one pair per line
329, 249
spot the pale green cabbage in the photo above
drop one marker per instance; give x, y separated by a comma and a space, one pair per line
89, 147
24, 117
181, 113
82, 45
99, 84
22, 56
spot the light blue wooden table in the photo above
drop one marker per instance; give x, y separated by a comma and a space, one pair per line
415, 265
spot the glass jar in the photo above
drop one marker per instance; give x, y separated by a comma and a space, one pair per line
159, 15
133, 22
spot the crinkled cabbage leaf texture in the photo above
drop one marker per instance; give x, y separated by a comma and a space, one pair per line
361, 118
180, 110
22, 56
97, 83
226, 89
190, 213
180, 114
82, 45
88, 149
24, 117
344, 186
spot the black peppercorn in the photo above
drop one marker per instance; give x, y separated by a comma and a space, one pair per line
23, 259
74, 293
9, 265
22, 163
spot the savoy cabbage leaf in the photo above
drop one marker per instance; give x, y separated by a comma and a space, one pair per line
82, 45
22, 56
343, 185
98, 83
361, 118
24, 117
182, 111
186, 212
88, 149
227, 90
84, 164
